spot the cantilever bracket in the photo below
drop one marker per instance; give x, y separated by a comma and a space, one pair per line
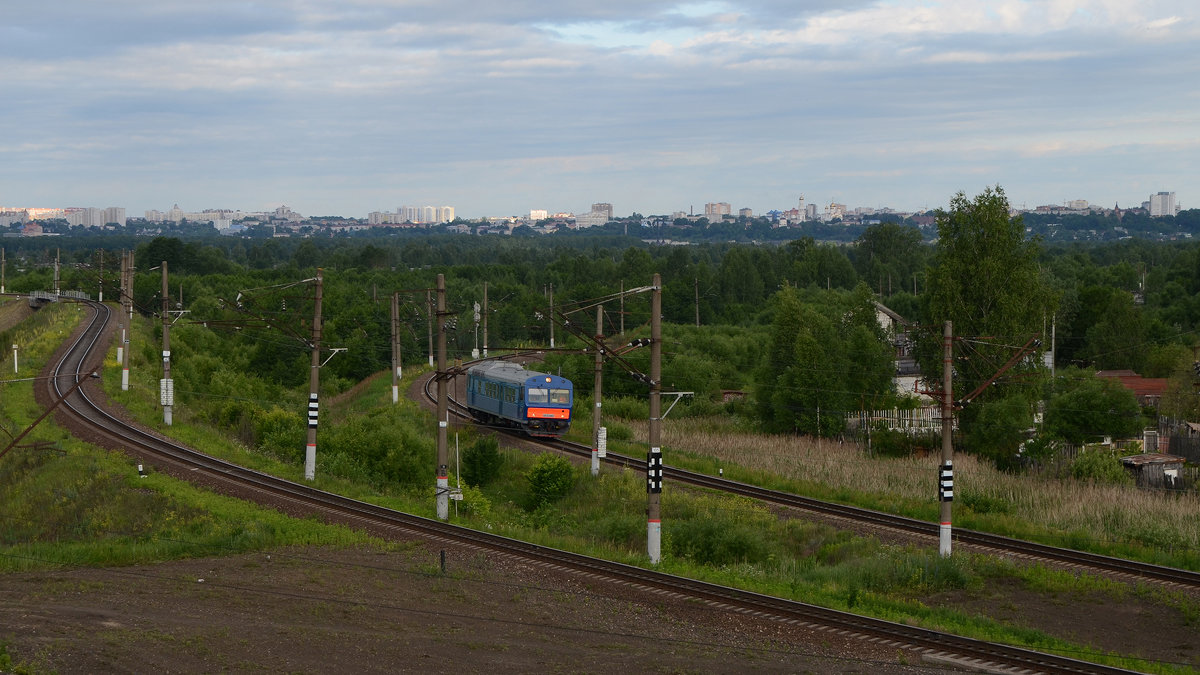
335, 351
678, 395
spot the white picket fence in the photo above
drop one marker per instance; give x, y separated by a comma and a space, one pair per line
923, 420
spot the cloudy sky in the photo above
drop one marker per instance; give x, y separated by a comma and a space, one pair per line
342, 107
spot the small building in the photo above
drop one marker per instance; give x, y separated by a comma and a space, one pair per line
1148, 390
1154, 469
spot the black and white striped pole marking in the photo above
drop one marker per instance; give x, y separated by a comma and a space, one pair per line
945, 494
654, 482
310, 449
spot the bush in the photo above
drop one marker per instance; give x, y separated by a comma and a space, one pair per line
627, 407
474, 502
550, 478
718, 541
618, 431
1099, 465
482, 461
891, 443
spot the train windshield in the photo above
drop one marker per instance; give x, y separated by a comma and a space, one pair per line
560, 396
537, 395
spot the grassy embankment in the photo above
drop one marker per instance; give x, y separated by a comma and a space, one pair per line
66, 502
709, 536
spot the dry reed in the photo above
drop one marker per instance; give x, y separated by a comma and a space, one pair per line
1105, 512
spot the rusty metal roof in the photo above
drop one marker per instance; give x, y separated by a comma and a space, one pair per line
1147, 458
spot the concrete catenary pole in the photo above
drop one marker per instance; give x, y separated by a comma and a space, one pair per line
946, 470
443, 453
100, 295
166, 388
314, 385
3, 269
696, 295
121, 313
429, 309
396, 347
654, 463
127, 310
57, 276
485, 315
596, 390
551, 317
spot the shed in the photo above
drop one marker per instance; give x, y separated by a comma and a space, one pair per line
1154, 469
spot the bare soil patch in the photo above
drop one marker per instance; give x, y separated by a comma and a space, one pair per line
321, 610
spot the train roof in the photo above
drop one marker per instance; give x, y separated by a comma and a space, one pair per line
514, 373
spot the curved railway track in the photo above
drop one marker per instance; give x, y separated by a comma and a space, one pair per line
81, 412
1130, 569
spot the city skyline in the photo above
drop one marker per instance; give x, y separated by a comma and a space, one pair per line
658, 107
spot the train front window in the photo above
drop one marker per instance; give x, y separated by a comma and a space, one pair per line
560, 396
536, 395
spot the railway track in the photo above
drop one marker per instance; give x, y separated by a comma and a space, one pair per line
1129, 569
80, 412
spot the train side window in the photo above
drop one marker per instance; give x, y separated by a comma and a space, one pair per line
537, 395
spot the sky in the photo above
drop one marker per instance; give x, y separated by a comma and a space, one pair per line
343, 107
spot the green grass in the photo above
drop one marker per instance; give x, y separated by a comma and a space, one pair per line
709, 536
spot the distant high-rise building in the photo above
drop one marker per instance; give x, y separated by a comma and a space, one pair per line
715, 210
1163, 204
537, 214
114, 215
745, 213
605, 208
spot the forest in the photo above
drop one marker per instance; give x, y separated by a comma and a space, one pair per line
792, 325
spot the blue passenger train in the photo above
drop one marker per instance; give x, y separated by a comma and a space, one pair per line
506, 394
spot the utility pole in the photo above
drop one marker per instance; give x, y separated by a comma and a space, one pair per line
443, 462
314, 382
101, 295
654, 463
946, 470
127, 310
396, 347
121, 313
3, 269
696, 291
485, 315
429, 309
622, 296
551, 317
1053, 330
166, 389
57, 255
596, 390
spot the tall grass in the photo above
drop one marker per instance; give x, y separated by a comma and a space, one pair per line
1153, 524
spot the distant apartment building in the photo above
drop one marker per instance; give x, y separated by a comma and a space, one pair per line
417, 215
94, 217
717, 210
746, 213
600, 214
1163, 204
605, 208
538, 214
221, 219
